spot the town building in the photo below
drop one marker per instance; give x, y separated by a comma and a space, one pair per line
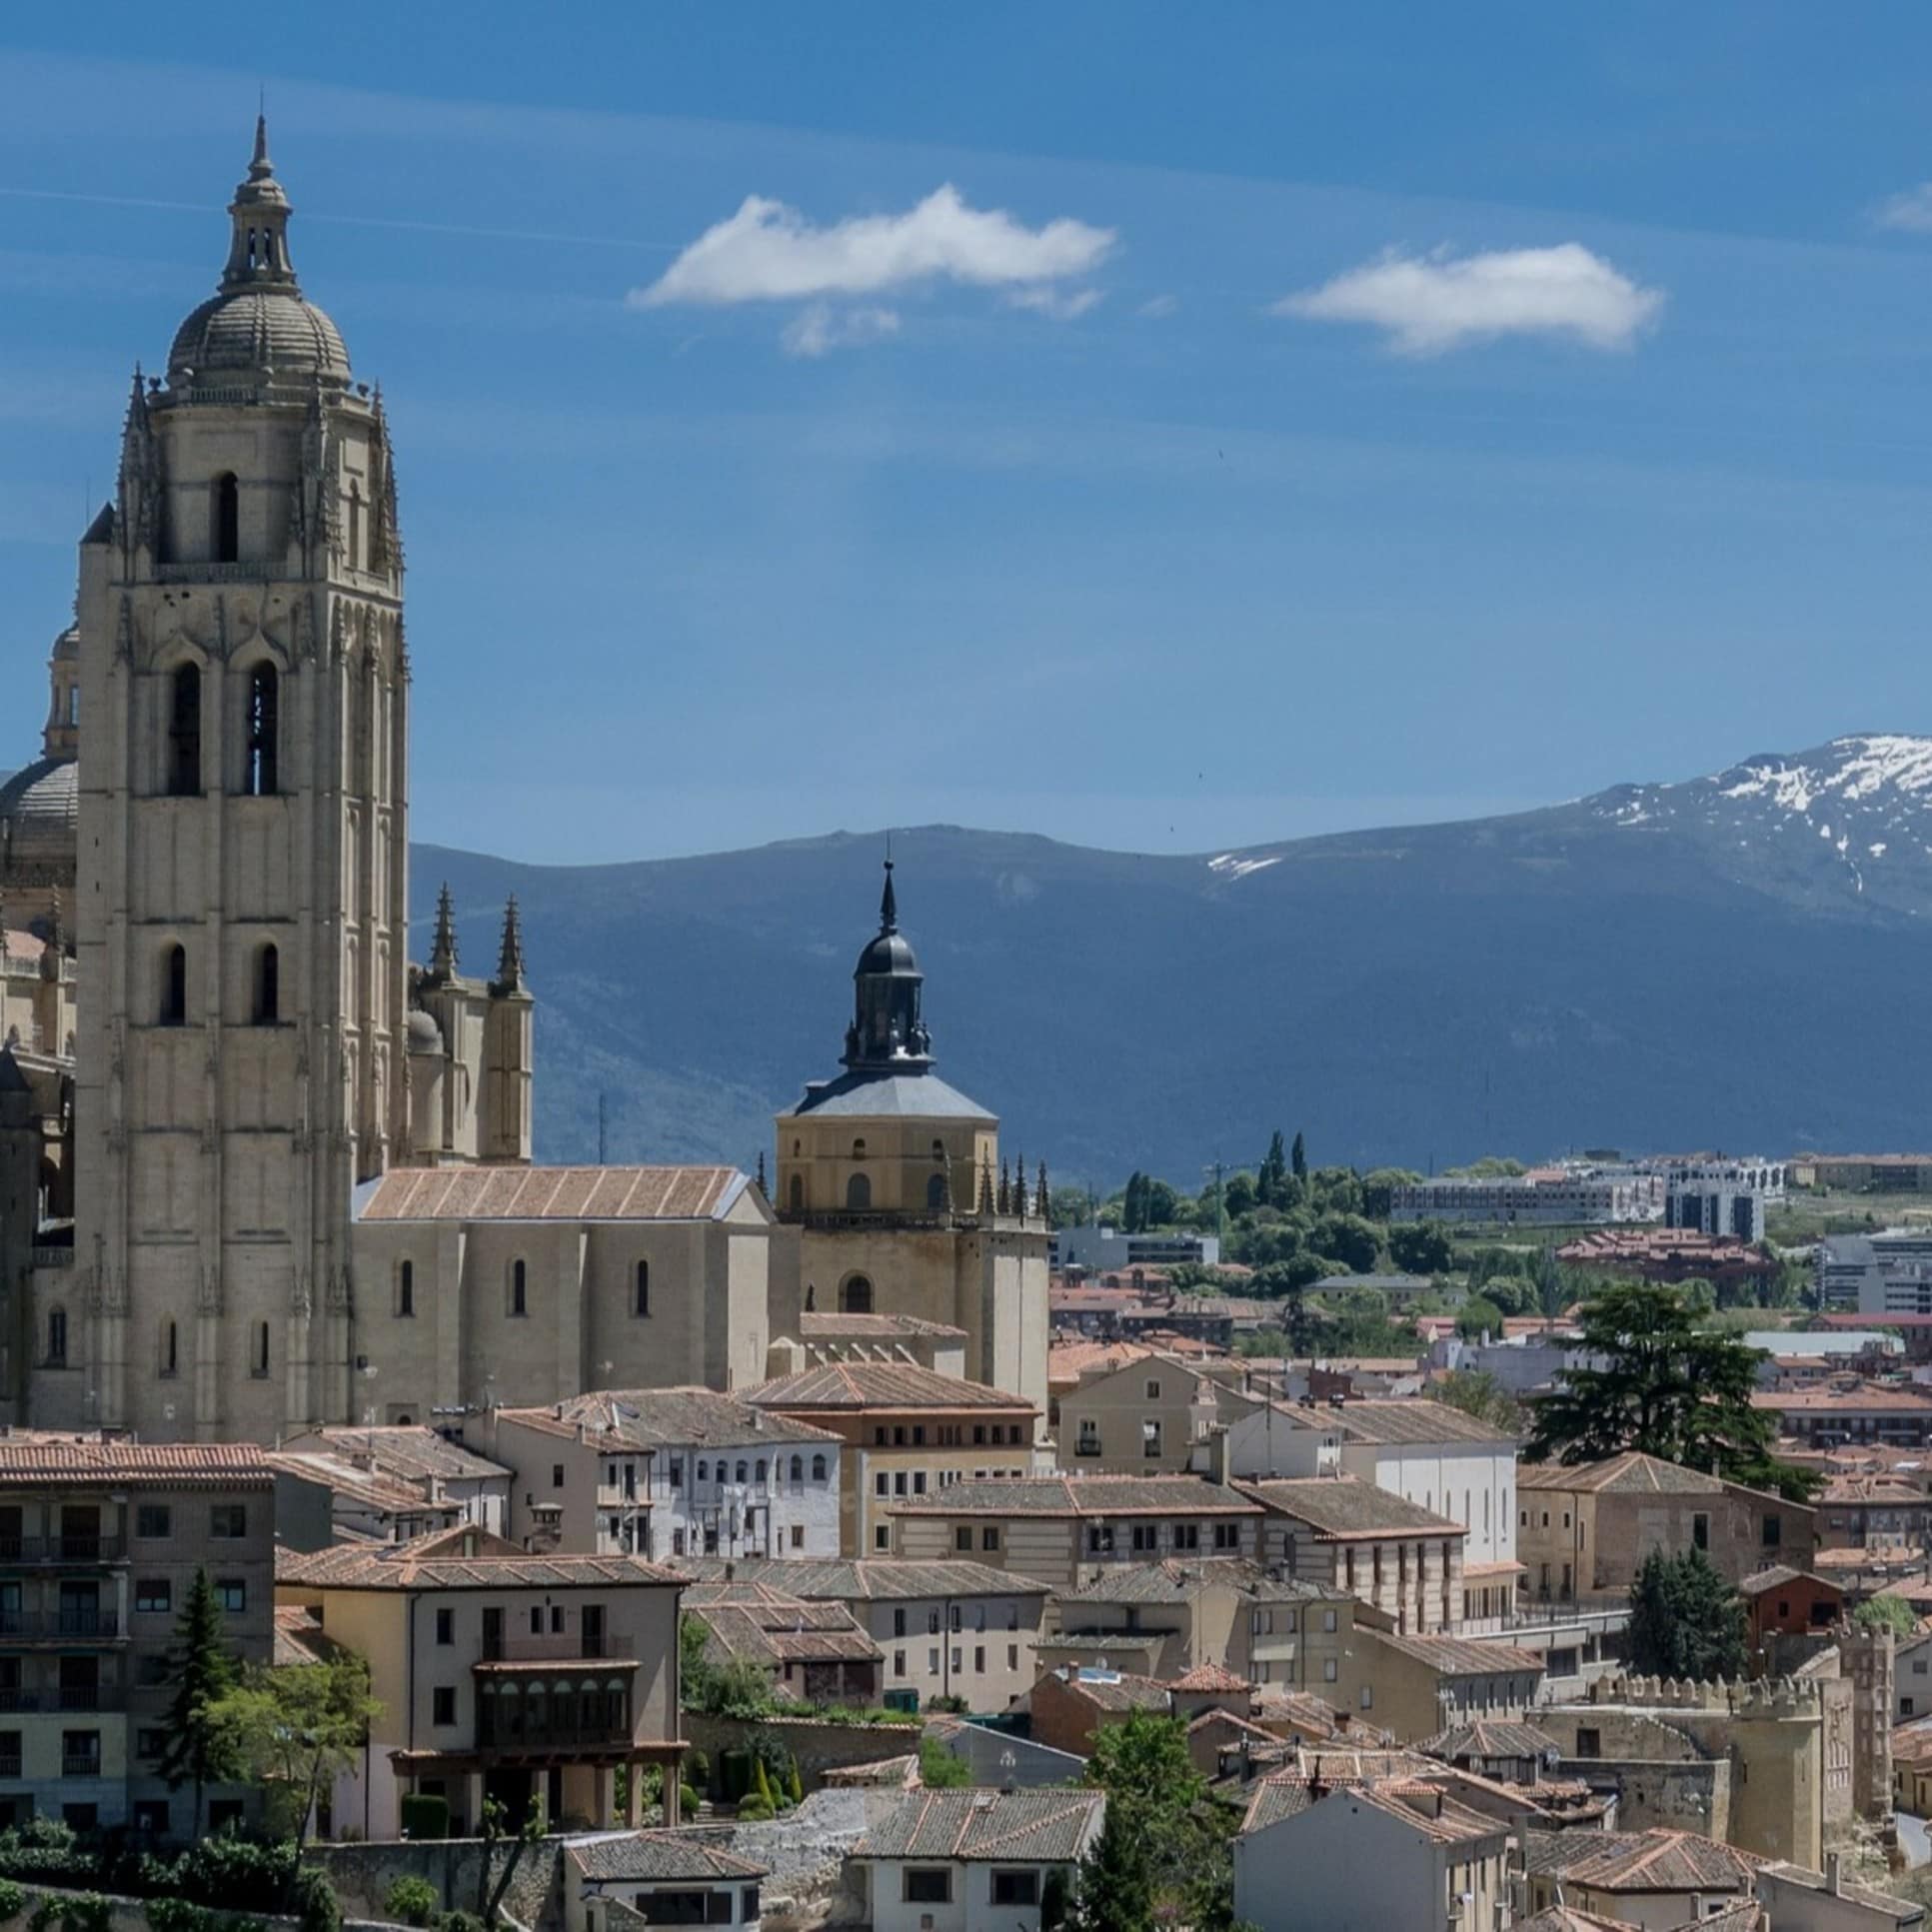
1872, 1513
1368, 1856
499, 1675
1096, 1249
1417, 1687
1070, 1707
1163, 1619
1783, 1602
1675, 1255
885, 1337
895, 1193
1584, 1529
100, 1543
1851, 1410
1887, 1273
906, 1433
1143, 1418
1400, 1559
681, 1877
972, 1860
439, 1466
1722, 1197
1657, 1880
949, 1628
322, 1498
668, 1472
1862, 1173
1544, 1196
811, 1652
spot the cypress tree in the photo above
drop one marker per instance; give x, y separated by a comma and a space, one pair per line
1299, 1159
199, 1751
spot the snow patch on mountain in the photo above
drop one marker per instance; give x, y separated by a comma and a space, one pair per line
1233, 866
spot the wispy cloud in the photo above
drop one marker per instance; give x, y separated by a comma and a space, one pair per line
1428, 303
1911, 210
1062, 304
1157, 306
819, 328
768, 252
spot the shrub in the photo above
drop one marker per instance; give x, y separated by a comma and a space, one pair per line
459, 1921
688, 1799
755, 1811
698, 1769
183, 1915
12, 1901
425, 1814
794, 1786
77, 1912
762, 1782
315, 1901
412, 1900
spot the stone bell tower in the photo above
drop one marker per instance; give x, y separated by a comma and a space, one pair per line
241, 881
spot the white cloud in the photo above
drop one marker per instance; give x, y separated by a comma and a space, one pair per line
1062, 304
768, 252
819, 328
1157, 306
1911, 211
1433, 303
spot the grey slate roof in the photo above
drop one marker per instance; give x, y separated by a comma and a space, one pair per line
872, 1385
1486, 1738
867, 1579
1348, 1507
904, 1097
1178, 1579
1459, 1656
410, 1451
1413, 1418
646, 1855
1083, 1496
652, 1418
1049, 1826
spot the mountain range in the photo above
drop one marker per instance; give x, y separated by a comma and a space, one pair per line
1739, 962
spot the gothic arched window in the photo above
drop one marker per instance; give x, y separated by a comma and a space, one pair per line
856, 1298
174, 987
224, 516
268, 985
184, 733
640, 1297
258, 753
858, 1193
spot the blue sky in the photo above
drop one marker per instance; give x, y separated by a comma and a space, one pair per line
1303, 418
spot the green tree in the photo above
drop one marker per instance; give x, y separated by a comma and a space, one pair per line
939, 1770
1271, 1183
1240, 1195
1421, 1247
203, 1670
294, 1728
1134, 1213
1378, 1187
1477, 1392
1298, 1158
1666, 1388
1478, 1316
1686, 1620
1350, 1240
496, 1827
1891, 1614
1160, 1204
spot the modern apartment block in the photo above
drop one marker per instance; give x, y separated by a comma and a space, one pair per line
1549, 1196
99, 1545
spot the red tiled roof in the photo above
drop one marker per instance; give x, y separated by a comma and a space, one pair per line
48, 1459
552, 1193
1214, 1678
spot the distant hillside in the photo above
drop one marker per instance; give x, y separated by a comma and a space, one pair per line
1737, 961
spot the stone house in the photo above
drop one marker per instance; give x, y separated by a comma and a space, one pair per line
684, 1877
1389, 1553
1419, 1686
1367, 1856
441, 1469
501, 1673
813, 1652
972, 1860
1584, 1529
667, 1473
1066, 1531
1789, 1602
1143, 1418
1071, 1705
1656, 1880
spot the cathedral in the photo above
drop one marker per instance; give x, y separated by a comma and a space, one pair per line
258, 1169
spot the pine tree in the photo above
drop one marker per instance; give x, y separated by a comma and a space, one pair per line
1686, 1620
1271, 1183
1114, 1892
1299, 1159
201, 1750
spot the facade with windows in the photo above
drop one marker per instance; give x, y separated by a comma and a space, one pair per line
1145, 1418
972, 1860
667, 1474
907, 1434
100, 1543
501, 1674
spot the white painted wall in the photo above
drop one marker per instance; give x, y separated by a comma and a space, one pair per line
1471, 1483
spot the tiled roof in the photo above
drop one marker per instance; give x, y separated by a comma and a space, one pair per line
1566, 1919
34, 1462
1084, 1497
1639, 1861
1116, 1690
1067, 1361
1345, 1506
1209, 1677
1869, 1896
1415, 1803
1177, 1579
873, 1327
1458, 1656
655, 1418
1628, 1473
371, 1488
685, 1853
550, 1194
1490, 1739
1867, 1399
410, 1451
458, 1559
1302, 1710
886, 1386
1413, 1418
749, 1622
856, 1579
1046, 1826
299, 1638
1776, 1577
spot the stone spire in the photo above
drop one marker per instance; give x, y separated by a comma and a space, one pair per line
510, 961
443, 954
258, 251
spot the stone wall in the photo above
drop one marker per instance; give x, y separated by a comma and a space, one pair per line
818, 1746
131, 1914
360, 1875
1690, 1795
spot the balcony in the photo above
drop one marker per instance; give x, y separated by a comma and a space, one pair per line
558, 1648
80, 1764
55, 1627
31, 1698
70, 1548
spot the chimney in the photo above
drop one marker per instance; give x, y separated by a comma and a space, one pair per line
1217, 1455
730, 1570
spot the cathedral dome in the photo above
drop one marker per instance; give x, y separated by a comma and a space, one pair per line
40, 814
250, 329
887, 954
259, 318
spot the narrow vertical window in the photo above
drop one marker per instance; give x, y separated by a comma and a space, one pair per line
171, 1350
268, 985
406, 1288
258, 755
798, 1193
174, 987
518, 1303
355, 527
57, 1339
642, 1303
261, 1348
184, 733
226, 519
